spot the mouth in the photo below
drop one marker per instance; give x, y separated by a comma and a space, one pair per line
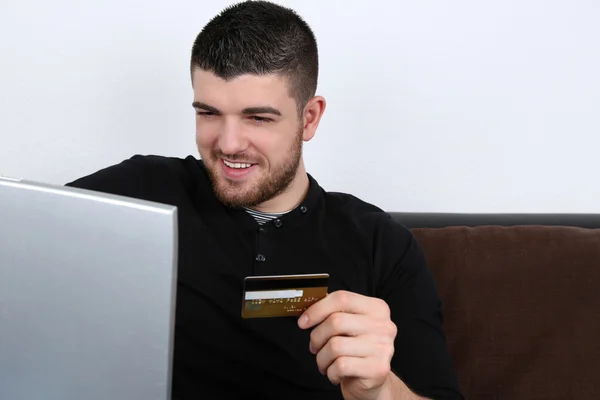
237, 165
237, 170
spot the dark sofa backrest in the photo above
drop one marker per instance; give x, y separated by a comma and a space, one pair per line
521, 302
442, 220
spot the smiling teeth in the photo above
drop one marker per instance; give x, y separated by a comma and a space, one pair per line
237, 165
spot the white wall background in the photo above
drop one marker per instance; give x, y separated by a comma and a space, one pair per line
464, 105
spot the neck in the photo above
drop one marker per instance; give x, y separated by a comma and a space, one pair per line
291, 197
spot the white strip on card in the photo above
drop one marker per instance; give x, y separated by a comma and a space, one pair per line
274, 294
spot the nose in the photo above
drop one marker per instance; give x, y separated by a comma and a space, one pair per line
232, 139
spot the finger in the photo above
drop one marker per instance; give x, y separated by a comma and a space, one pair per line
361, 346
343, 301
344, 324
371, 371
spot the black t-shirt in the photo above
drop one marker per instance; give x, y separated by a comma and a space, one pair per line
359, 245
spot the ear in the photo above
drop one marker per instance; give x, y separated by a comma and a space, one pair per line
311, 116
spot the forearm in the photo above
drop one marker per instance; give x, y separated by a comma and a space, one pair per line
395, 389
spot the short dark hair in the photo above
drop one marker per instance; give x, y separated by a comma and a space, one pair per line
260, 38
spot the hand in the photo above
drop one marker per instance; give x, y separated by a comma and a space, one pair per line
354, 342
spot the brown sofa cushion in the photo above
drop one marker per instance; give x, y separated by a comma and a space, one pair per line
522, 308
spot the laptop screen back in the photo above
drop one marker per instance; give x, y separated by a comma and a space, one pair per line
87, 294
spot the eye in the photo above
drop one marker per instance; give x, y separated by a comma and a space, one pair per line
260, 119
205, 113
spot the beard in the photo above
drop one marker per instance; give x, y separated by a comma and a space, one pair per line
239, 194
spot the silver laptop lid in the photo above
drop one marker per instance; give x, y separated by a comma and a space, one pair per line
87, 294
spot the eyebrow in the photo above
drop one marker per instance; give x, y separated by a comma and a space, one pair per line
203, 106
246, 111
261, 110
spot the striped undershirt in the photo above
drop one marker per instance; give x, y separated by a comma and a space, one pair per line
262, 217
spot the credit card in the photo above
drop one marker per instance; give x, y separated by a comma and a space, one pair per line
282, 295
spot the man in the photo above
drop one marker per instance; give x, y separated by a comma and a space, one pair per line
248, 207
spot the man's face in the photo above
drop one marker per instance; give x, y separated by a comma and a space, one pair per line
248, 134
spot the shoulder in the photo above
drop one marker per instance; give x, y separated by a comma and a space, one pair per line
159, 164
364, 216
143, 176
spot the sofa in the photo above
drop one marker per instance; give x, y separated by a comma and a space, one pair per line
521, 300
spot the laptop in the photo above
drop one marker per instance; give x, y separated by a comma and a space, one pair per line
87, 294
